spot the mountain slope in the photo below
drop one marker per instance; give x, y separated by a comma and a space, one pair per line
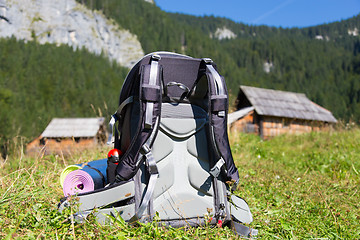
68, 22
39, 81
320, 61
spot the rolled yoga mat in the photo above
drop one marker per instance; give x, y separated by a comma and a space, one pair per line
66, 171
89, 178
74, 167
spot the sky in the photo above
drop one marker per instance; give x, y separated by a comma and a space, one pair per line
278, 13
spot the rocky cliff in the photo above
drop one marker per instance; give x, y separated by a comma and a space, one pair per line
223, 33
68, 22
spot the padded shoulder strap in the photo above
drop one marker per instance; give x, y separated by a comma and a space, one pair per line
150, 104
218, 109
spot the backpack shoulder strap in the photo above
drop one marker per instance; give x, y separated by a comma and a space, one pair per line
218, 110
150, 107
150, 97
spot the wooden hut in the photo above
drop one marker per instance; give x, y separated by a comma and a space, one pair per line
270, 112
65, 135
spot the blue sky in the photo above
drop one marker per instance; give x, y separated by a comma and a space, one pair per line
284, 13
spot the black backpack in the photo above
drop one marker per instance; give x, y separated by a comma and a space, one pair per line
171, 125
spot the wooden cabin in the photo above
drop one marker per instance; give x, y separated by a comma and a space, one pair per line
66, 135
269, 113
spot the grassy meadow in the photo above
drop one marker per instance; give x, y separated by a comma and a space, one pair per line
298, 187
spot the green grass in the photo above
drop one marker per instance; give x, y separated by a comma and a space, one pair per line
298, 187
304, 186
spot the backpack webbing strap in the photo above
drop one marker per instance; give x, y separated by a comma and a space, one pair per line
154, 71
104, 180
217, 111
116, 116
150, 93
243, 230
154, 173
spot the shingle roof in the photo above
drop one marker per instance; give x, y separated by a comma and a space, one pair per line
73, 127
285, 104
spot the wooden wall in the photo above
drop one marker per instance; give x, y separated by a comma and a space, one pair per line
63, 146
246, 124
274, 126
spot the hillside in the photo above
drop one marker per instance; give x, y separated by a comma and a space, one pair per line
62, 59
39, 82
320, 61
68, 23
58, 59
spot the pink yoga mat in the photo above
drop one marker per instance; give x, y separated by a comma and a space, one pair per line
78, 181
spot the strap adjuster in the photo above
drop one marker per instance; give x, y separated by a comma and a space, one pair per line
208, 60
150, 161
152, 168
146, 149
215, 171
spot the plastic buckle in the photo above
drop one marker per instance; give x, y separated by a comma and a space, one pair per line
221, 114
152, 168
215, 171
150, 162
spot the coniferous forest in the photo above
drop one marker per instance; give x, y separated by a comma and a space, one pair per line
325, 69
39, 82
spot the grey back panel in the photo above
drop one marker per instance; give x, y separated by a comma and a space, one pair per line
184, 188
